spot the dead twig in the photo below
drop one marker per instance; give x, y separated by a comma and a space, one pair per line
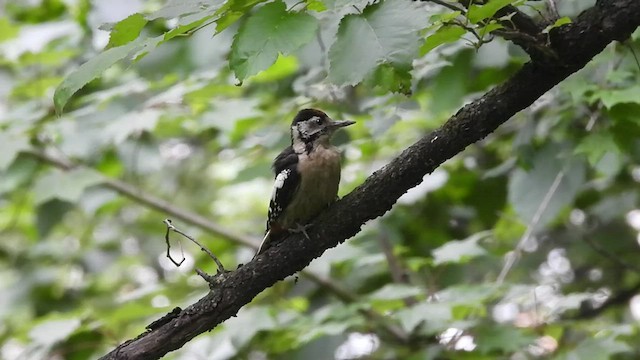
170, 226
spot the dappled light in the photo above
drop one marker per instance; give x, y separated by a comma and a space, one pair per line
487, 203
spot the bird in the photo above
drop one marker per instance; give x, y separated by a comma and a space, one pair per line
307, 174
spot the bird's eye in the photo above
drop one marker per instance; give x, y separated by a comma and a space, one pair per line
319, 121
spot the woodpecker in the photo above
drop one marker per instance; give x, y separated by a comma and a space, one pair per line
307, 174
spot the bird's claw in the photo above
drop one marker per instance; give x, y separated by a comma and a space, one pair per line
301, 229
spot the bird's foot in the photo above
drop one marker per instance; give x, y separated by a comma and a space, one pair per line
301, 229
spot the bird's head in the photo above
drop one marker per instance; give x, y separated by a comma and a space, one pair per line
313, 126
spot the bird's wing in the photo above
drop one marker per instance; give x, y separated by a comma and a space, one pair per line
285, 185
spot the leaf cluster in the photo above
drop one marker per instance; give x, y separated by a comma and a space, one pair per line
524, 245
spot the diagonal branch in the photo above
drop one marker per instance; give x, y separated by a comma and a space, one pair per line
153, 202
520, 21
575, 45
519, 28
525, 32
144, 198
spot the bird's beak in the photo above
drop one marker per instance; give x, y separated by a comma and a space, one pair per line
341, 123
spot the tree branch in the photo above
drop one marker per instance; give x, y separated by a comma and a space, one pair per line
522, 30
575, 45
153, 202
144, 198
520, 21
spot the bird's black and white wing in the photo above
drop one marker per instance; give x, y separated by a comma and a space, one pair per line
285, 185
284, 188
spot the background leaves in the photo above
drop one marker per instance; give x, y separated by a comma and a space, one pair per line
155, 124
270, 31
386, 32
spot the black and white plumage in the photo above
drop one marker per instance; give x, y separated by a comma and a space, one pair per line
307, 174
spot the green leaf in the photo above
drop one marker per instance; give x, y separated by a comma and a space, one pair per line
613, 97
183, 29
283, 67
91, 70
10, 146
471, 295
505, 230
502, 339
614, 207
451, 83
626, 125
53, 331
17, 174
126, 30
7, 29
562, 21
478, 13
445, 34
599, 348
316, 5
132, 124
51, 58
49, 214
250, 321
396, 291
380, 122
492, 26
270, 31
435, 317
192, 14
35, 88
67, 186
200, 99
325, 329
386, 32
528, 190
459, 251
180, 8
441, 19
232, 10
387, 78
596, 145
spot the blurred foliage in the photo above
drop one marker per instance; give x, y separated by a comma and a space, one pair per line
189, 101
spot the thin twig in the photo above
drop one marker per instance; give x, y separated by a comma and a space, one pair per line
513, 256
552, 8
609, 255
633, 52
468, 28
156, 203
398, 274
186, 216
153, 202
208, 278
447, 5
166, 239
296, 4
170, 226
593, 118
520, 29
347, 297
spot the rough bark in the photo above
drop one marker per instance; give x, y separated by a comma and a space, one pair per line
574, 44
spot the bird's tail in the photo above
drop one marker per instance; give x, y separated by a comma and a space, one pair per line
264, 244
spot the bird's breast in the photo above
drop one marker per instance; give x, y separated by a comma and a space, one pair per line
319, 179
